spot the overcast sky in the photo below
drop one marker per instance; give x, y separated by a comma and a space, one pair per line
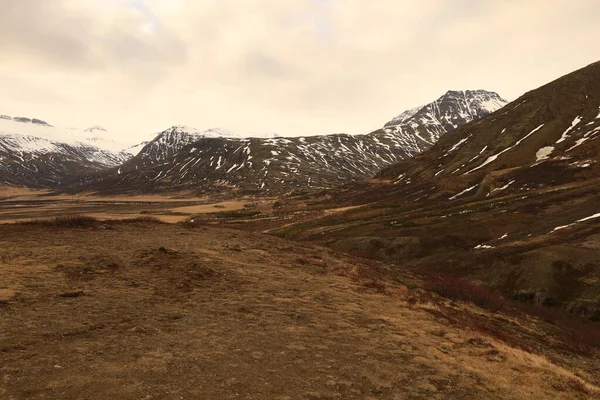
286, 66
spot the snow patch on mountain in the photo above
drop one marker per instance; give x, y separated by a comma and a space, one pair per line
463, 192
495, 156
565, 134
544, 153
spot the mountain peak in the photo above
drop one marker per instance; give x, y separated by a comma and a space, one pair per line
190, 131
403, 116
474, 95
96, 128
453, 108
472, 92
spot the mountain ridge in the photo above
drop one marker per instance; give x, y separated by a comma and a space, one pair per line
180, 160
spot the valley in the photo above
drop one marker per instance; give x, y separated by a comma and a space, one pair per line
299, 200
452, 253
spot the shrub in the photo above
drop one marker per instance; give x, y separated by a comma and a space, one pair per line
142, 219
84, 221
67, 221
577, 333
237, 214
463, 290
75, 221
580, 334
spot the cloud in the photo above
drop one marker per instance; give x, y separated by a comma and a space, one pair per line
294, 66
72, 36
43, 31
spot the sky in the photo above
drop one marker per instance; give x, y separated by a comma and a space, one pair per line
292, 67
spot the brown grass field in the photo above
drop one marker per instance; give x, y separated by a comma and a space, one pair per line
19, 204
145, 310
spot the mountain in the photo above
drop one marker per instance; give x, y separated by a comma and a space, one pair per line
454, 108
545, 138
167, 143
36, 154
428, 123
182, 158
510, 200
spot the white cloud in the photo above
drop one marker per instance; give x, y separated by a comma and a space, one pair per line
294, 66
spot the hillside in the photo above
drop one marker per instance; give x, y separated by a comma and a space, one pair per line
549, 131
177, 312
181, 159
510, 201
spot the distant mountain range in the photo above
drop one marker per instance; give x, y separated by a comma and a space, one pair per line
182, 158
34, 153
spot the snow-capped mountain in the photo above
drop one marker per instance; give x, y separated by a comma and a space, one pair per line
454, 108
184, 158
188, 158
547, 137
546, 140
36, 162
26, 143
37, 154
170, 141
426, 124
95, 136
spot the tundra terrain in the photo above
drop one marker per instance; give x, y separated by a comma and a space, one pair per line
137, 309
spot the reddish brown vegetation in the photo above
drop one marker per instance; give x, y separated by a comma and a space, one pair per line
66, 221
463, 290
580, 334
577, 333
84, 221
142, 219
